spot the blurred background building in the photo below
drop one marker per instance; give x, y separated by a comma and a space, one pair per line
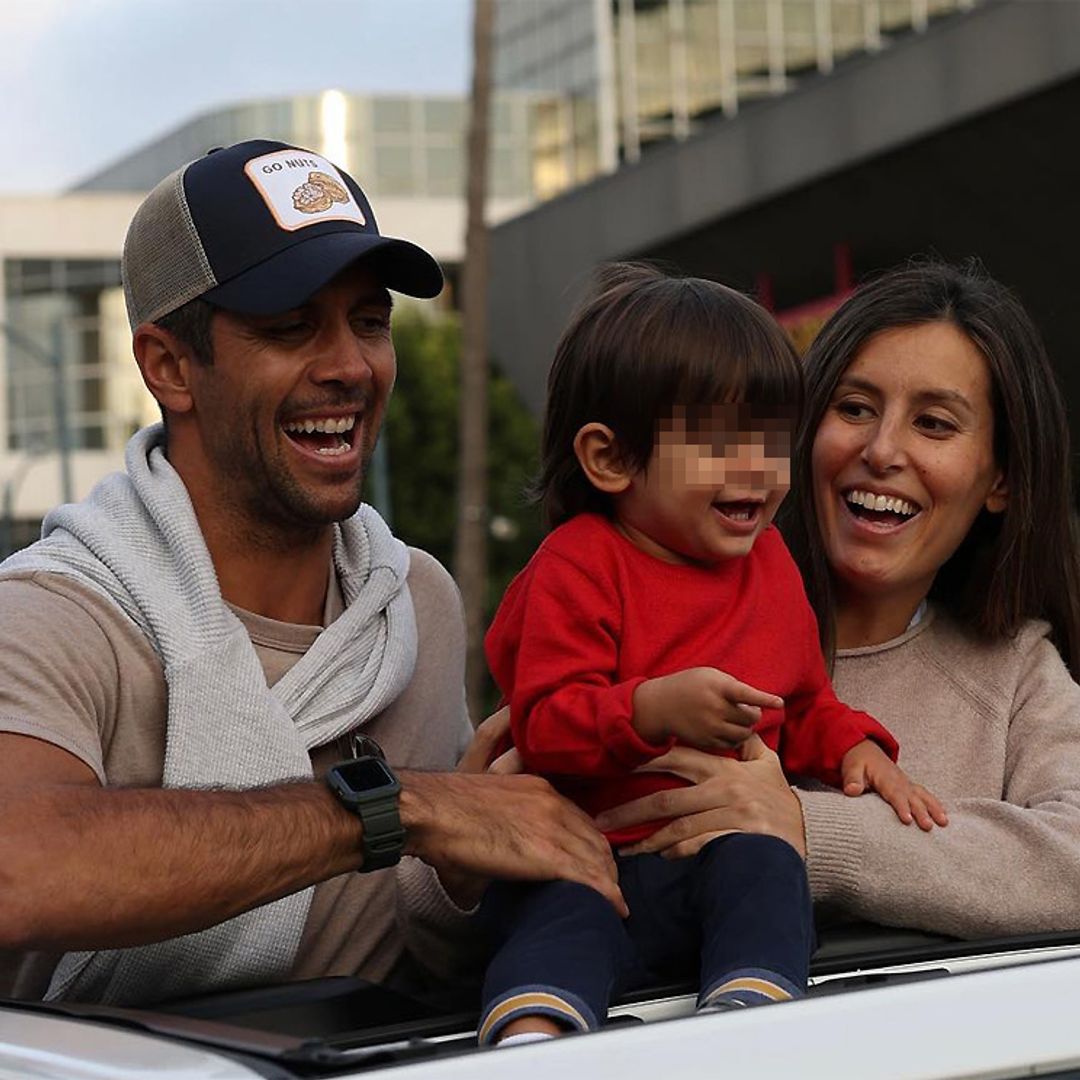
786, 147
399, 147
789, 148
627, 75
70, 394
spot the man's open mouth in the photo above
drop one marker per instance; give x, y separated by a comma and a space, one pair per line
328, 436
880, 509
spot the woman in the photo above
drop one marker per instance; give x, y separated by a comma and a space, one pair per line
932, 521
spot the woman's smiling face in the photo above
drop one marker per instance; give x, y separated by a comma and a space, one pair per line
903, 461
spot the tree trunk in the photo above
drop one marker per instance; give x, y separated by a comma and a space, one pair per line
470, 542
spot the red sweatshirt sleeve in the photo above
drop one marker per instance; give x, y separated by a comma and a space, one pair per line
819, 729
553, 649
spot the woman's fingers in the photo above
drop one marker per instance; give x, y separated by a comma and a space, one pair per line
685, 761
672, 803
748, 795
695, 765
754, 749
731, 731
507, 764
672, 846
488, 735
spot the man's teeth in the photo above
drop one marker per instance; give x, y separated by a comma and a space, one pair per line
328, 426
871, 501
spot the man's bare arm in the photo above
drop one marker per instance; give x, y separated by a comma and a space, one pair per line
83, 866
88, 867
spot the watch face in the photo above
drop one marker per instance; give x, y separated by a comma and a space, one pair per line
367, 774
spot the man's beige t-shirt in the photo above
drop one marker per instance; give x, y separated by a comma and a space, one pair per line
75, 672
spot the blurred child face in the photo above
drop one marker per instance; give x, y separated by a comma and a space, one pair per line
713, 484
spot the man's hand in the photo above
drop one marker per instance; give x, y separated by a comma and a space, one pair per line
462, 886
513, 827
700, 707
867, 767
750, 795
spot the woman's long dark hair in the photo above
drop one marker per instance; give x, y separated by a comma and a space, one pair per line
1017, 565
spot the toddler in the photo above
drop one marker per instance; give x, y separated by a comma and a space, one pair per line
664, 608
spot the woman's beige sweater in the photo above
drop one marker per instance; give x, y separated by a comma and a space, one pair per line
994, 731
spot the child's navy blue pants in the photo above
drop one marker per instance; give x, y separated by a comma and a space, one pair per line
738, 912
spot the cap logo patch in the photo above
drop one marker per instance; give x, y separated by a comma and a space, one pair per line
301, 188
318, 193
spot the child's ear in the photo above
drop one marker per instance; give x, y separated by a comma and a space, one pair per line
597, 451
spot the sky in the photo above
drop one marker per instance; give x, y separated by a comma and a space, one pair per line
86, 81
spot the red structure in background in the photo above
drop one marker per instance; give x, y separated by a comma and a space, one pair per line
804, 321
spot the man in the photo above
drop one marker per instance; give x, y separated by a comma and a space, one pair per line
188, 650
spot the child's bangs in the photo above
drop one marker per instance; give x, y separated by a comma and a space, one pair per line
722, 423
769, 385
743, 364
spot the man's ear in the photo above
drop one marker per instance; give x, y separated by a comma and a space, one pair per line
998, 497
597, 451
165, 364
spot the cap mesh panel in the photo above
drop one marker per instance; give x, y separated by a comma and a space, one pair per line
164, 264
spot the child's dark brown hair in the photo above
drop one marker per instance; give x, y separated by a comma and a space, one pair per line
642, 346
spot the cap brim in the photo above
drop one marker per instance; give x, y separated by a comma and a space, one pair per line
286, 280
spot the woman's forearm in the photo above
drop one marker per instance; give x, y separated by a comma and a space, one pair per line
997, 869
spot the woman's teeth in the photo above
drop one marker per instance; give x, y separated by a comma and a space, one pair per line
869, 501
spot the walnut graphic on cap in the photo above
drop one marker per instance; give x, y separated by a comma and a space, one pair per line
318, 193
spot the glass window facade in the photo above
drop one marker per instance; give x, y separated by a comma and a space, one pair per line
636, 72
395, 146
66, 318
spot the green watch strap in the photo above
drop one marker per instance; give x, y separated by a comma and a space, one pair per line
367, 787
384, 836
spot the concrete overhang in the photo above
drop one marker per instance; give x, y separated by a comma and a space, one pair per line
964, 66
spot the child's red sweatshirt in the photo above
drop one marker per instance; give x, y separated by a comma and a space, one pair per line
592, 616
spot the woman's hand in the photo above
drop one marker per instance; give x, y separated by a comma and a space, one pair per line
867, 767
479, 755
746, 795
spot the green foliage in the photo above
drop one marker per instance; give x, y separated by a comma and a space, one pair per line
421, 430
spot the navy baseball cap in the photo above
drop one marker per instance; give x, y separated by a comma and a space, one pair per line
257, 228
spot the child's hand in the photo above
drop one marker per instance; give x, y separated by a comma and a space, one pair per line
866, 765
700, 707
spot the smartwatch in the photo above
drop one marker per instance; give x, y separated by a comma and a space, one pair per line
367, 787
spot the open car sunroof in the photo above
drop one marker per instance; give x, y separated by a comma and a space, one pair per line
330, 1025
